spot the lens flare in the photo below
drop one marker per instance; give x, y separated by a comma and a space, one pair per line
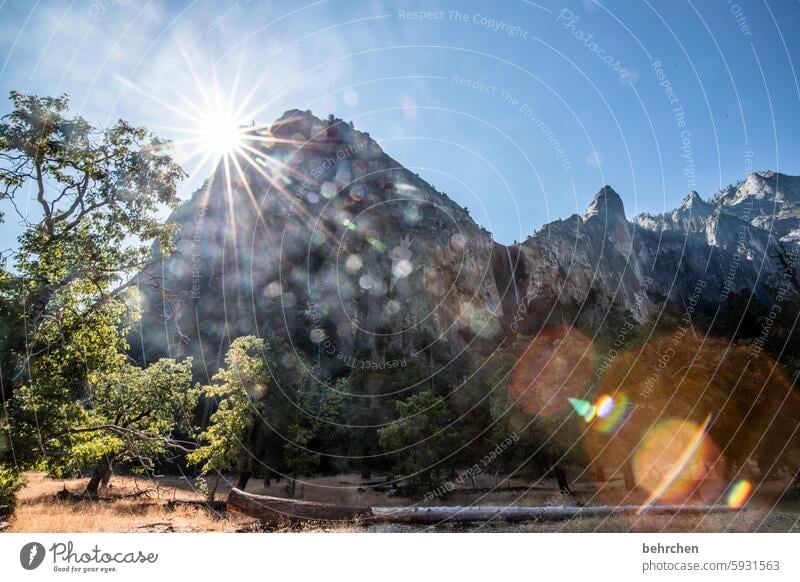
584, 408
604, 405
553, 371
607, 412
672, 463
611, 411
739, 493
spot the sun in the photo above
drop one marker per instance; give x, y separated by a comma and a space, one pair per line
212, 132
220, 134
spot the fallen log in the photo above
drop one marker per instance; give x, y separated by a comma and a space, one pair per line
479, 513
215, 506
276, 509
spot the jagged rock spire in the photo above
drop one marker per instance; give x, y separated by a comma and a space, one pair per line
607, 203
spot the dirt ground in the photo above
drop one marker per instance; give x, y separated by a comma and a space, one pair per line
172, 504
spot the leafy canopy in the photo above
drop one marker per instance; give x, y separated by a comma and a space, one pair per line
240, 388
96, 196
70, 299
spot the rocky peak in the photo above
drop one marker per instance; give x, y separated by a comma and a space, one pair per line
756, 186
769, 200
304, 129
606, 204
693, 207
692, 200
761, 186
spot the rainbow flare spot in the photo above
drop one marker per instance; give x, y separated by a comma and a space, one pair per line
604, 405
739, 493
611, 411
584, 408
607, 412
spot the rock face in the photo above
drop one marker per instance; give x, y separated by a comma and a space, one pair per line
765, 199
326, 242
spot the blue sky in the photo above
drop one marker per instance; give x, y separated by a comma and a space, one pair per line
519, 110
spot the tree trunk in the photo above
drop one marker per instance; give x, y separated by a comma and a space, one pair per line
488, 513
561, 478
795, 488
244, 477
366, 471
291, 485
213, 491
599, 473
275, 510
627, 474
100, 476
245, 464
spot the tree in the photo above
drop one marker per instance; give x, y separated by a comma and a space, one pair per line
526, 401
749, 404
134, 416
421, 440
793, 491
288, 399
70, 299
371, 403
130, 415
97, 193
240, 389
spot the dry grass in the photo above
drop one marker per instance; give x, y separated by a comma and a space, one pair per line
117, 511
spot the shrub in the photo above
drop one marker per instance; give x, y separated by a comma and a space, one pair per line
11, 481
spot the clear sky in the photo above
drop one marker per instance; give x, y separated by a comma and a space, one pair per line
519, 110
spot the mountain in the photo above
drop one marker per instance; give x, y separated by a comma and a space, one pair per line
327, 243
768, 200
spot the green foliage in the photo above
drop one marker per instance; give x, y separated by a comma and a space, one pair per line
70, 300
543, 440
421, 440
97, 196
289, 400
143, 408
240, 389
370, 403
128, 415
55, 399
11, 481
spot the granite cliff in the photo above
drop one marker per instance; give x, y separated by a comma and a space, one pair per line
329, 244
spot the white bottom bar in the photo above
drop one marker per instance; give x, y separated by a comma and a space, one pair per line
403, 557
